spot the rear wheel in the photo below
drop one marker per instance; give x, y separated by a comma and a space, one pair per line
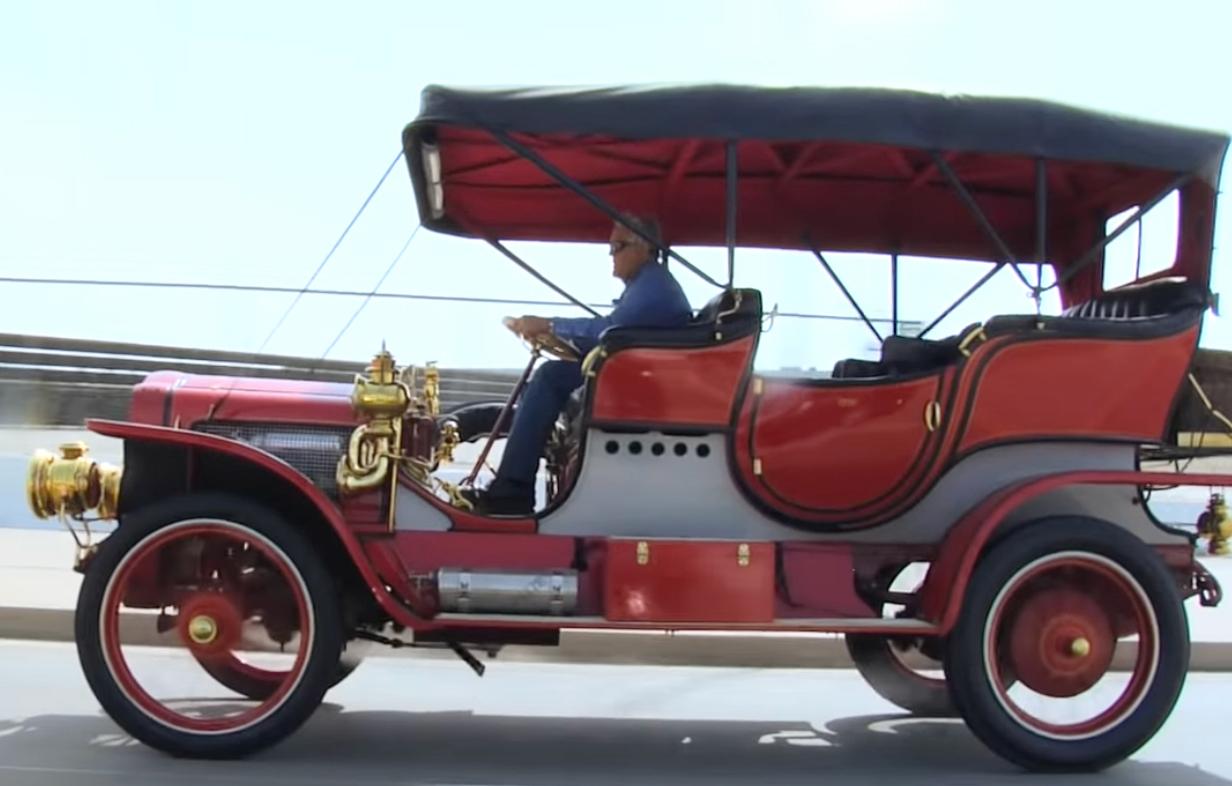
184, 582
883, 662
904, 670
1046, 613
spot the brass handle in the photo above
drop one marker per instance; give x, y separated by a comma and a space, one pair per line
932, 415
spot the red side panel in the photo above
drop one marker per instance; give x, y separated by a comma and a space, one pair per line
835, 447
1078, 387
420, 552
819, 581
695, 387
688, 581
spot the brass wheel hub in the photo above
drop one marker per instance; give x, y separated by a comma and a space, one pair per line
202, 629
1080, 647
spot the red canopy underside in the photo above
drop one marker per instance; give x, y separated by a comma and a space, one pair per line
828, 195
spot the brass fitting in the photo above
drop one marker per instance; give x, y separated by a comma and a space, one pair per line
1215, 525
72, 483
432, 390
384, 400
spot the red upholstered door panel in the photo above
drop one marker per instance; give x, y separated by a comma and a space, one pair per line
1076, 388
826, 447
690, 387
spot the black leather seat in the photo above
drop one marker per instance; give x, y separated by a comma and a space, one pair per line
1160, 298
901, 355
733, 313
1146, 309
1152, 308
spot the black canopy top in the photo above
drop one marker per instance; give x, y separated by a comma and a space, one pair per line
1012, 126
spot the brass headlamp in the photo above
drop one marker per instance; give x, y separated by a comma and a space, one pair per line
72, 484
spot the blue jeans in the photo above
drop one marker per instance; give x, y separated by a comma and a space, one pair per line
545, 396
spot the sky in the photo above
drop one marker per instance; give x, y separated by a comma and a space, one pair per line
231, 142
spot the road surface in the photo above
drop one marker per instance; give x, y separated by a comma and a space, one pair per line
415, 720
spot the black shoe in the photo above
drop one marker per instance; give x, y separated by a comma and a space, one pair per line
488, 504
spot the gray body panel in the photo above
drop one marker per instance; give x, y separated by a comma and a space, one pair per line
669, 496
413, 512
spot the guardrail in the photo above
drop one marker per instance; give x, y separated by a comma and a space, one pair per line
59, 381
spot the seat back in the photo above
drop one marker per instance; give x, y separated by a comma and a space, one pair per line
730, 314
1160, 298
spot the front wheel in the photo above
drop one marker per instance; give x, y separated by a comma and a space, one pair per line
236, 673
193, 574
1046, 612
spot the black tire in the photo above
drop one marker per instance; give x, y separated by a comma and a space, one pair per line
246, 685
893, 681
322, 656
1070, 539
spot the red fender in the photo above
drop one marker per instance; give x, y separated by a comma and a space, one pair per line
244, 452
942, 594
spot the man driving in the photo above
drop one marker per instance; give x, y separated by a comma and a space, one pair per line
652, 298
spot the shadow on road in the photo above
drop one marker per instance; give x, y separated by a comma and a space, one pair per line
459, 747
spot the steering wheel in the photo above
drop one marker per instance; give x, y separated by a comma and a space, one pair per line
550, 343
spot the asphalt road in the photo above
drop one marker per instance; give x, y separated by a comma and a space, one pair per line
431, 721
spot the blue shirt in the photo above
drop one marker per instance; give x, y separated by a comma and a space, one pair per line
652, 299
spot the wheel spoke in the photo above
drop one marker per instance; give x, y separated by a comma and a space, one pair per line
217, 669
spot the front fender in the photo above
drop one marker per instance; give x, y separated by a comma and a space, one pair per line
162, 435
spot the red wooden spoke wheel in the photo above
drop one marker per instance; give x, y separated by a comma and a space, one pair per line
883, 661
219, 567
256, 682
1048, 611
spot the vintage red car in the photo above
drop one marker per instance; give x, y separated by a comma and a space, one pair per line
288, 520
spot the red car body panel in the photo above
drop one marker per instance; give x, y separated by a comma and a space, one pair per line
1062, 388
642, 385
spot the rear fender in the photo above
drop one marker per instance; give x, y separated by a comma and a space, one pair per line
259, 459
941, 596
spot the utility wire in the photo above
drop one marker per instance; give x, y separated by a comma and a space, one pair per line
354, 293
337, 243
368, 299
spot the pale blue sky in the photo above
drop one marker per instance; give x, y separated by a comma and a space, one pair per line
232, 141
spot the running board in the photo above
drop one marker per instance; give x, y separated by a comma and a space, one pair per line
790, 625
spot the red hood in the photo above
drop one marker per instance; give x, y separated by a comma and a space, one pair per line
173, 398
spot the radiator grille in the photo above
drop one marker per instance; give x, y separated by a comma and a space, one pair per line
313, 450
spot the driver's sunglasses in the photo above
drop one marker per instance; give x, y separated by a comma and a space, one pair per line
617, 246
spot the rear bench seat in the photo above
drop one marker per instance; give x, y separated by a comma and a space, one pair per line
1143, 310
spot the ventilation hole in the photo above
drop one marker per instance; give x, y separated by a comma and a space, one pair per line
703, 450
657, 448
681, 448
635, 447
612, 446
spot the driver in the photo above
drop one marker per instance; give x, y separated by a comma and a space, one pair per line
652, 298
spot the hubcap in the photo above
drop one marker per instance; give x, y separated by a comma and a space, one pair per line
1080, 648
202, 629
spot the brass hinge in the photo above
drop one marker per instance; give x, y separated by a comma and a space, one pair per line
756, 466
742, 555
643, 552
932, 415
977, 334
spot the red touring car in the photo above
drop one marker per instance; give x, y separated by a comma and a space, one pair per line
265, 527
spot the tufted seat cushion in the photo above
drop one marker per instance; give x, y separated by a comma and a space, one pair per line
1160, 298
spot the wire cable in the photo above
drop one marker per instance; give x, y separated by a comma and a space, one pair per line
368, 299
92, 282
324, 261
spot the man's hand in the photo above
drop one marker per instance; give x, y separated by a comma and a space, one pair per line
531, 327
